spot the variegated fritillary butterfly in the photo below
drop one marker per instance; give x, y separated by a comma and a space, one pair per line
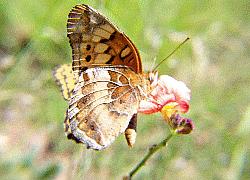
106, 83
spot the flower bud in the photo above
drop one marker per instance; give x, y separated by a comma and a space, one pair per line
180, 125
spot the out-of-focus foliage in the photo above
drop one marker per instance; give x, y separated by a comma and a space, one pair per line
215, 64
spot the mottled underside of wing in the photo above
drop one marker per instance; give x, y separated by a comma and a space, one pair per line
103, 102
94, 40
65, 80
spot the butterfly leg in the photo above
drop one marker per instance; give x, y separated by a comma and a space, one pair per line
130, 132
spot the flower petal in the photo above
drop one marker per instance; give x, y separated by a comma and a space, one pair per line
148, 107
172, 86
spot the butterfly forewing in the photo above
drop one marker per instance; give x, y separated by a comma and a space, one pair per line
94, 40
103, 102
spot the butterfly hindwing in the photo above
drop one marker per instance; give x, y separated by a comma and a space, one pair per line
102, 104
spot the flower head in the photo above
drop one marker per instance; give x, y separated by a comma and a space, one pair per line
170, 97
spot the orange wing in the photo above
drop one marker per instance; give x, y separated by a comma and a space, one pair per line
95, 40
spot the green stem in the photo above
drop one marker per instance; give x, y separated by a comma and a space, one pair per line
151, 151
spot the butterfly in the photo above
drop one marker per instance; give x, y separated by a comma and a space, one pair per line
105, 83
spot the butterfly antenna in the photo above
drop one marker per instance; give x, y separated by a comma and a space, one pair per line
178, 47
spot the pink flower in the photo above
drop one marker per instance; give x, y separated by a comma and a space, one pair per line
170, 97
169, 93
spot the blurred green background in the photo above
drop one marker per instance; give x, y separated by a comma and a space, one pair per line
215, 64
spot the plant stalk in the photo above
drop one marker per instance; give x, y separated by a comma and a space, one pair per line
151, 151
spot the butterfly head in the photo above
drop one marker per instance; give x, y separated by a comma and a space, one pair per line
153, 78
147, 83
